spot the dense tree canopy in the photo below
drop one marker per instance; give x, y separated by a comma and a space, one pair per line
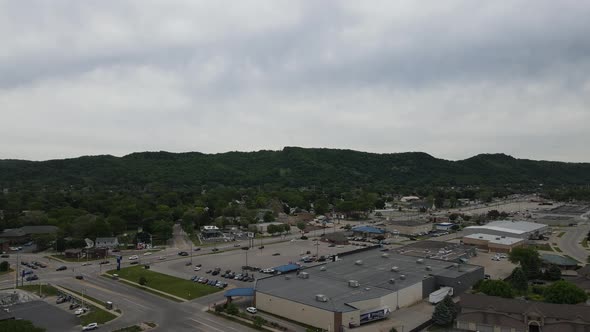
564, 292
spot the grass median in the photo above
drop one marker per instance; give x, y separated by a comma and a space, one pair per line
182, 288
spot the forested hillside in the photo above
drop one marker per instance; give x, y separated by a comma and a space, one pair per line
291, 167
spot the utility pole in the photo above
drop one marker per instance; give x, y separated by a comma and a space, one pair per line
17, 270
191, 251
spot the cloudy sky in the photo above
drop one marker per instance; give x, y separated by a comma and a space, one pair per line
450, 78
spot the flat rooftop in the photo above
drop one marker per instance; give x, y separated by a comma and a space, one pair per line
495, 238
436, 250
373, 275
508, 226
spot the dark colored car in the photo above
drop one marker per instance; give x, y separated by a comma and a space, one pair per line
61, 268
79, 277
197, 249
183, 253
214, 249
276, 254
134, 263
33, 277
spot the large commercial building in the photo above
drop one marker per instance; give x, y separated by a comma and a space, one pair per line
359, 288
493, 243
520, 229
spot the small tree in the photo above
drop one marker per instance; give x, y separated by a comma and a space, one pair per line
552, 273
453, 307
142, 280
301, 226
232, 309
4, 266
442, 314
529, 261
287, 228
258, 321
496, 288
518, 280
564, 292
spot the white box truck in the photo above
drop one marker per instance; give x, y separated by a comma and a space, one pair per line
437, 296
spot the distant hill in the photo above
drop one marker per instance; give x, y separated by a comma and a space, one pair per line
291, 167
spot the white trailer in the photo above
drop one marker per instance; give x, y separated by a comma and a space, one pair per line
437, 296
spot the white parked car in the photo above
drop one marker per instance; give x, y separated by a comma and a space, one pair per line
91, 326
134, 257
197, 268
252, 310
162, 258
147, 253
80, 311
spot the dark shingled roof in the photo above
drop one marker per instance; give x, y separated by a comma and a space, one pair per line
515, 306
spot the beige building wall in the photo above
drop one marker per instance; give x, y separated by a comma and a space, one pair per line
414, 229
297, 311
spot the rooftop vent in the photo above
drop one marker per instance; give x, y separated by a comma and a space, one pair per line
392, 281
497, 238
419, 261
385, 255
304, 275
359, 262
321, 298
481, 237
395, 269
428, 268
402, 277
353, 283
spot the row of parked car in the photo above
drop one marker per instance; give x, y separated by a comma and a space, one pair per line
238, 276
33, 265
210, 282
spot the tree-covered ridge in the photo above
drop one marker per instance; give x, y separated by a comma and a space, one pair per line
290, 167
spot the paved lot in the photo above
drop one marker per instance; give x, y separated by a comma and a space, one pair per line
46, 315
570, 242
496, 269
233, 260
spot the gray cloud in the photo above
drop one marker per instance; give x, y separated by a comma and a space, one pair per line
452, 79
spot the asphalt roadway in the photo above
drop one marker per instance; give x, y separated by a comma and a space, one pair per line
570, 242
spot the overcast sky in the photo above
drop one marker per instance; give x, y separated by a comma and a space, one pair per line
450, 78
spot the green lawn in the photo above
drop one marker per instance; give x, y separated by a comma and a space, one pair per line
45, 289
541, 246
561, 234
585, 243
96, 315
557, 249
185, 289
7, 271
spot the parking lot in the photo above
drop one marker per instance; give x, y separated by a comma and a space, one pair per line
49, 316
496, 269
268, 257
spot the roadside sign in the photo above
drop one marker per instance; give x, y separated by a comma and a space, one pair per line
251, 235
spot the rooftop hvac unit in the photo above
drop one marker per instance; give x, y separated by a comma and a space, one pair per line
359, 262
392, 281
402, 277
321, 298
428, 268
497, 238
323, 268
304, 275
353, 283
419, 261
385, 255
395, 269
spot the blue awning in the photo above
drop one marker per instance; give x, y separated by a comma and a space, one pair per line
287, 268
368, 229
239, 292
